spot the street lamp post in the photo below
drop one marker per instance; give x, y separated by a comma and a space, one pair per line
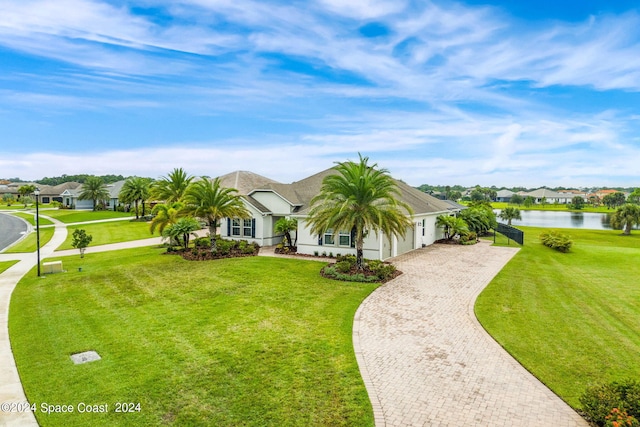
36, 193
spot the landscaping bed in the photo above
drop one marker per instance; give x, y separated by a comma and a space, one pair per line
374, 271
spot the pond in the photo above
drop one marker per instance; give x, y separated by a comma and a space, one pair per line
559, 219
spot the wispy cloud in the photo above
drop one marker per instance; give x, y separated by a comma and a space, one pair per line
444, 87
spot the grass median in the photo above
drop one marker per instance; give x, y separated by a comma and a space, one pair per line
69, 216
571, 319
110, 232
28, 244
248, 341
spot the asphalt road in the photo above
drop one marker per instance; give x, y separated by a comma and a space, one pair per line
11, 229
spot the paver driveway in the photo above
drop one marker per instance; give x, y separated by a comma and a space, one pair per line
425, 359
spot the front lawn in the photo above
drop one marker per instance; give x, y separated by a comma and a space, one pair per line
69, 216
110, 232
571, 319
247, 341
4, 265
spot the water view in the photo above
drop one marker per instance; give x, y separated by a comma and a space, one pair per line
556, 219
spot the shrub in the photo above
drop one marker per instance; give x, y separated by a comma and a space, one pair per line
556, 240
380, 269
202, 242
223, 247
598, 402
469, 238
350, 258
343, 266
331, 272
315, 253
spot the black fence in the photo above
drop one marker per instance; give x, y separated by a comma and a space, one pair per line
510, 232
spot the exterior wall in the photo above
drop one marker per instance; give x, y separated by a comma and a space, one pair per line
272, 201
376, 246
264, 235
308, 244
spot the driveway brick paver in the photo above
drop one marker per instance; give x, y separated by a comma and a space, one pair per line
425, 359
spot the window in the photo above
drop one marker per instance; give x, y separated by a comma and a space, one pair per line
328, 237
344, 238
247, 229
235, 227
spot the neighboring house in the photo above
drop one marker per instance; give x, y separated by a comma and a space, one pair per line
549, 195
269, 201
48, 193
70, 197
504, 195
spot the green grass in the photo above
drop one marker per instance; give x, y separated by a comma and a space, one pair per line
30, 218
71, 215
249, 341
28, 244
110, 232
4, 265
552, 207
571, 319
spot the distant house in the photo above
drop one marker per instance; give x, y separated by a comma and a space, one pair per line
504, 195
70, 197
268, 201
549, 196
48, 193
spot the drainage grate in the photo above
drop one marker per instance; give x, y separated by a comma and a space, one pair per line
85, 357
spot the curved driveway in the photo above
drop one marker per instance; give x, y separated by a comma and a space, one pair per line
12, 229
425, 359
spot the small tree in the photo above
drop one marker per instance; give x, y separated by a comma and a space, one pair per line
81, 240
634, 197
181, 231
577, 203
529, 201
625, 217
516, 199
24, 191
286, 226
510, 213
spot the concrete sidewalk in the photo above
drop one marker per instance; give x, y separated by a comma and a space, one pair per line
11, 390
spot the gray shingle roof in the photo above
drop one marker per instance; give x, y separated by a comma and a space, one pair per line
301, 192
244, 181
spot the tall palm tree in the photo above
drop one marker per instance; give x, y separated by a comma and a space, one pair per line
164, 215
209, 201
94, 189
359, 198
135, 189
626, 216
171, 188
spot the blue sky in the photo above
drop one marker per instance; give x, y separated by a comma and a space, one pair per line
506, 93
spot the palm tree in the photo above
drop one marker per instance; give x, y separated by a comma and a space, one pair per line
509, 213
452, 225
626, 217
205, 199
181, 231
286, 226
359, 198
164, 215
135, 189
171, 188
94, 189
